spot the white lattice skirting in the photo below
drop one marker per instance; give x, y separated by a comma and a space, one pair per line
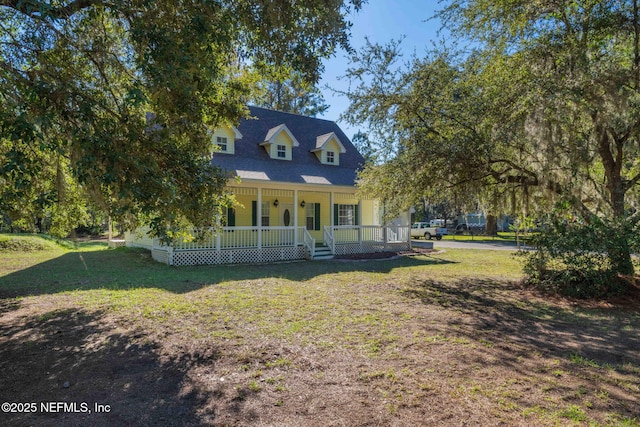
370, 247
236, 256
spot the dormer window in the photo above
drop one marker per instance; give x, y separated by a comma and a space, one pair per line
328, 149
280, 142
331, 157
223, 140
222, 143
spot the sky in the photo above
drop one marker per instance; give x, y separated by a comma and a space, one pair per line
380, 21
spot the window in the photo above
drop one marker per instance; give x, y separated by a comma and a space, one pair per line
222, 143
265, 214
281, 151
229, 217
310, 210
346, 214
331, 157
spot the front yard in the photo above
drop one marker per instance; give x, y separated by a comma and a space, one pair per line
446, 339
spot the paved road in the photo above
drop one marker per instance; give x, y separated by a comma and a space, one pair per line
467, 244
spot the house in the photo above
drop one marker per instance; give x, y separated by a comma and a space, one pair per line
296, 197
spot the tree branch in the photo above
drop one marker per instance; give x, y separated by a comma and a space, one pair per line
633, 181
38, 9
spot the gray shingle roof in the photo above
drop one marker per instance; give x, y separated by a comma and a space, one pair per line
251, 161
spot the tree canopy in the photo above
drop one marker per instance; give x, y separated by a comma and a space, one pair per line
541, 114
112, 101
287, 91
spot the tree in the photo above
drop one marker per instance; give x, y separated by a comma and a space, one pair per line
541, 116
79, 78
291, 93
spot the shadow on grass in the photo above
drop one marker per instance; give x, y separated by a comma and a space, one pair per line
612, 336
126, 268
39, 354
596, 347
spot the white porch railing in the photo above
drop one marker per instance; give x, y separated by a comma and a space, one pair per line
343, 239
245, 237
367, 233
268, 244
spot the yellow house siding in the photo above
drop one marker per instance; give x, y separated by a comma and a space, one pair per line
369, 212
243, 212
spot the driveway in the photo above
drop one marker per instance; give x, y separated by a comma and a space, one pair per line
466, 244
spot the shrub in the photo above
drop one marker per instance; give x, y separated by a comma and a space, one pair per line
23, 244
579, 259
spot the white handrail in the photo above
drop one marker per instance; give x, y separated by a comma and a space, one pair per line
329, 239
309, 241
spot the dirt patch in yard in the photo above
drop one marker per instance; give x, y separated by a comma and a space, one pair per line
385, 255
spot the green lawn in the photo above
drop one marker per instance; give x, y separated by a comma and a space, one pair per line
507, 237
444, 339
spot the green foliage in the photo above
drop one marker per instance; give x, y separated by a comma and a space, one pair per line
284, 90
79, 79
24, 243
579, 259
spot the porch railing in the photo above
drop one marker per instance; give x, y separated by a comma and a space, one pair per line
309, 241
366, 233
245, 237
329, 241
229, 238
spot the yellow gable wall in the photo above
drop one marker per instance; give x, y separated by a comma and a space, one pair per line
281, 139
332, 145
225, 132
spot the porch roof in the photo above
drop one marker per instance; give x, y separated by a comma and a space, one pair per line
251, 161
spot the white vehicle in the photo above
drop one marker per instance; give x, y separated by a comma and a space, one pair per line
424, 229
436, 223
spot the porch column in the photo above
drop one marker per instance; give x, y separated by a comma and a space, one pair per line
359, 221
259, 217
295, 217
331, 202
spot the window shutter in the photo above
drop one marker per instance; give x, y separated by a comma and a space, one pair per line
355, 212
254, 213
231, 217
336, 212
317, 206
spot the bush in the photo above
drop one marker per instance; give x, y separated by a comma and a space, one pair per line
23, 244
578, 259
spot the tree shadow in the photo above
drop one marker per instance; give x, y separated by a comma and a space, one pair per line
80, 358
126, 268
541, 341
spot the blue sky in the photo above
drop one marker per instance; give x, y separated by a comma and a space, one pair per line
380, 21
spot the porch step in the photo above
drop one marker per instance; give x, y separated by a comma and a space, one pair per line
322, 252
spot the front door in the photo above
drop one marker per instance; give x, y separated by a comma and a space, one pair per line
286, 214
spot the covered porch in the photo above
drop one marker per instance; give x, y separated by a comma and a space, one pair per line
247, 245
280, 223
